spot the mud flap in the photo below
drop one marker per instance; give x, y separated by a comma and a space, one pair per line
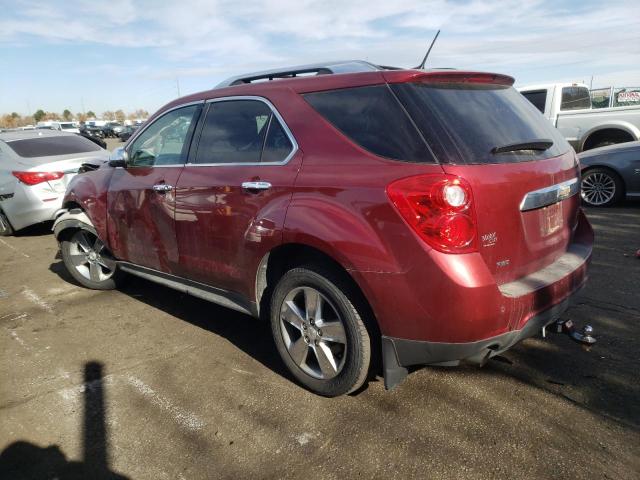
393, 372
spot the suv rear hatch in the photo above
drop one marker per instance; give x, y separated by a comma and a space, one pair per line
523, 173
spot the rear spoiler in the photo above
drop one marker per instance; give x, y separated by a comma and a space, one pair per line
438, 76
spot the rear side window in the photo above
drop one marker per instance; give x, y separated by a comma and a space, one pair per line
50, 146
575, 98
537, 97
242, 131
463, 123
372, 118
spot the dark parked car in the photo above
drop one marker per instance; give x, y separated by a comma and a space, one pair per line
424, 217
127, 132
108, 129
610, 173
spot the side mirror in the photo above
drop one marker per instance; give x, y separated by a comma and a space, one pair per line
119, 158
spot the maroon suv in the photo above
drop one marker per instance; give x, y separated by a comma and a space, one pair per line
425, 217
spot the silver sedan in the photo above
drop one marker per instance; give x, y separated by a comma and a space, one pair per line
610, 173
35, 168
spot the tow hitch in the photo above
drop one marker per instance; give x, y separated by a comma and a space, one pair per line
567, 327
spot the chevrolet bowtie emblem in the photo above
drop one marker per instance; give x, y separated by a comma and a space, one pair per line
564, 192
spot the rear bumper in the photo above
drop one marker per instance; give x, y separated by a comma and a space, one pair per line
441, 316
398, 353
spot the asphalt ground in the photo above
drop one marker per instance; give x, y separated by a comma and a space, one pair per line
147, 383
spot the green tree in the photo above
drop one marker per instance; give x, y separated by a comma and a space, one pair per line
39, 115
67, 115
90, 114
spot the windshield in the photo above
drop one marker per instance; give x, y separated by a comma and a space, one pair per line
50, 146
67, 126
463, 123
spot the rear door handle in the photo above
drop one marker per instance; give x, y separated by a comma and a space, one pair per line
162, 188
256, 185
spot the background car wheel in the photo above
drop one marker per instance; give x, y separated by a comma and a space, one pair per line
601, 187
5, 226
318, 331
89, 262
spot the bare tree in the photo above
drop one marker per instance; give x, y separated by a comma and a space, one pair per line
120, 116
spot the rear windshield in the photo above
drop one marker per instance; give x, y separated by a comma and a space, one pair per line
50, 146
463, 123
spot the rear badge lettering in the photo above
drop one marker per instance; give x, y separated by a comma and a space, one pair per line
502, 263
489, 239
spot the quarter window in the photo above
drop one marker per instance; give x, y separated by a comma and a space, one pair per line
575, 98
372, 118
242, 131
277, 146
166, 140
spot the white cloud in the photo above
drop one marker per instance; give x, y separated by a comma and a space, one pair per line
535, 40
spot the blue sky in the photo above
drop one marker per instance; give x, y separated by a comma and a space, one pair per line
111, 54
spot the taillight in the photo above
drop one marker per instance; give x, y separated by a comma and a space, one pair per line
34, 178
439, 208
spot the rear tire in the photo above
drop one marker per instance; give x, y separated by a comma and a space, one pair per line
6, 229
89, 262
318, 331
601, 187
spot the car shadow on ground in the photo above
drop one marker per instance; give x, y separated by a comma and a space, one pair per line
24, 460
37, 230
251, 335
601, 380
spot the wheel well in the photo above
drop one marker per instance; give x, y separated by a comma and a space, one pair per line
607, 134
285, 257
68, 232
72, 205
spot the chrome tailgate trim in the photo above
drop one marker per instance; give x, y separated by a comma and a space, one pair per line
550, 195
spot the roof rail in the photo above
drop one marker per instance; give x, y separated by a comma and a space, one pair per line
347, 66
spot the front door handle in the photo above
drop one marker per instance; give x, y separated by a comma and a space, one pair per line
256, 185
162, 188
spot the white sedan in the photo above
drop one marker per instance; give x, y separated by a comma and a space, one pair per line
35, 168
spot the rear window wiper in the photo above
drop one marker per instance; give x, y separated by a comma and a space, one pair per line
540, 144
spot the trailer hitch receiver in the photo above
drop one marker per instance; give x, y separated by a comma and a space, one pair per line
585, 337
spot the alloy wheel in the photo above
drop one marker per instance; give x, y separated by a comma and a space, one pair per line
90, 257
5, 228
598, 188
313, 333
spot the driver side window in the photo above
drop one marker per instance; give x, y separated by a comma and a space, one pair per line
165, 141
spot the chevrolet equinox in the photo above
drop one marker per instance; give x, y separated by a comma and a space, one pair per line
416, 217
